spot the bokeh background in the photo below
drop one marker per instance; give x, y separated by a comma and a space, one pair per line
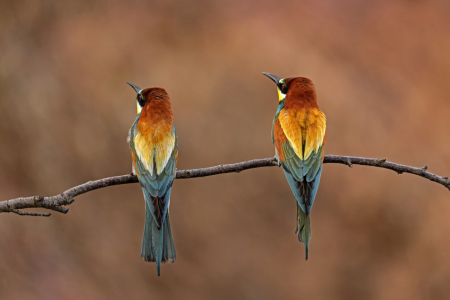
381, 70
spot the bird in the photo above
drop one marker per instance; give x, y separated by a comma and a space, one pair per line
299, 135
154, 151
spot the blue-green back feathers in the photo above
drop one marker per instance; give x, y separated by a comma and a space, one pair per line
157, 243
303, 176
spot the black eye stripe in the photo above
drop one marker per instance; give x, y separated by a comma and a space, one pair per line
140, 100
283, 88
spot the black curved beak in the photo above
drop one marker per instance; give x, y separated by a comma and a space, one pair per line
135, 87
275, 78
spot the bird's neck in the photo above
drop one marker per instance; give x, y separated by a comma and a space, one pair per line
156, 120
157, 112
301, 99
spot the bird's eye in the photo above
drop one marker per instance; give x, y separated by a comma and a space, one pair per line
140, 100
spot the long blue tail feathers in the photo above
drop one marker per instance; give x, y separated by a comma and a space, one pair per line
303, 229
157, 244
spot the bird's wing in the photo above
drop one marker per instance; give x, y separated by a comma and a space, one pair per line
303, 176
300, 141
155, 167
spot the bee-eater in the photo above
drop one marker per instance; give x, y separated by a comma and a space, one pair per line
299, 135
154, 152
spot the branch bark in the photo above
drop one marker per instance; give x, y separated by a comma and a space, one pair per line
58, 202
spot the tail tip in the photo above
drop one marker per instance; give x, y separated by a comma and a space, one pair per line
306, 253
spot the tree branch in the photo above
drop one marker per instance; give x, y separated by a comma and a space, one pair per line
58, 202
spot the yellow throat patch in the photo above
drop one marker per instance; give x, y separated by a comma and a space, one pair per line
281, 96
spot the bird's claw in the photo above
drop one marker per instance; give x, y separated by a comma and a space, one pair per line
278, 161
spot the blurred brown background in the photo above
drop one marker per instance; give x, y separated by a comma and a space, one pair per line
382, 72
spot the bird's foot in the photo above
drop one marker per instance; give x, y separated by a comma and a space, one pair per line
278, 161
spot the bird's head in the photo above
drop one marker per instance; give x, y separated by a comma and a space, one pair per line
145, 96
295, 86
281, 85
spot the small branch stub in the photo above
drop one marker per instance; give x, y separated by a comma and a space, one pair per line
349, 163
381, 161
38, 198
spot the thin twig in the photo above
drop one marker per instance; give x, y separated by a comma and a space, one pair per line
29, 213
58, 202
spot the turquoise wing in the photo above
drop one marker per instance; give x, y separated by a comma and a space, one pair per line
303, 176
157, 187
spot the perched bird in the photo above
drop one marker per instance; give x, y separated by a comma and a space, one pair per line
299, 135
154, 152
